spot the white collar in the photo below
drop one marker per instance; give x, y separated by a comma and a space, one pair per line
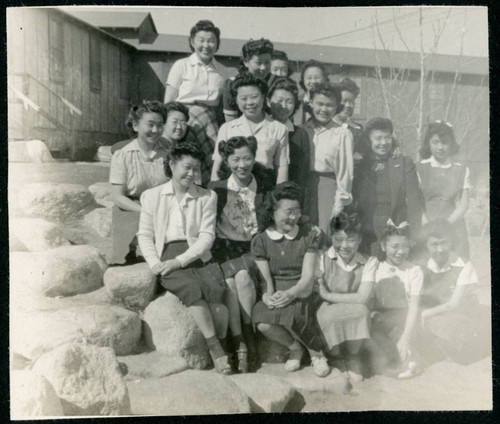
436, 164
289, 125
232, 185
358, 258
276, 235
133, 146
168, 188
195, 60
455, 261
387, 268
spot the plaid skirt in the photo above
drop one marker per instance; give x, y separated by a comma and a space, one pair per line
196, 281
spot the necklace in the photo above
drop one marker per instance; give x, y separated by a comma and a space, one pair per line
285, 244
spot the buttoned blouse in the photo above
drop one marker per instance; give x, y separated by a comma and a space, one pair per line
409, 275
271, 135
196, 81
131, 167
238, 220
176, 225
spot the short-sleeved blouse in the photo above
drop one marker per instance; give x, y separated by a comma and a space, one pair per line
136, 171
285, 255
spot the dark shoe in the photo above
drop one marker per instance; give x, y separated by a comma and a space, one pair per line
222, 365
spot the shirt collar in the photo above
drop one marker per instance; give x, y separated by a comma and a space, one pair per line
386, 268
289, 125
233, 185
276, 235
242, 120
455, 260
436, 164
195, 60
168, 189
133, 146
358, 259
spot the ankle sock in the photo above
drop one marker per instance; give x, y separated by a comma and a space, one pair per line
215, 347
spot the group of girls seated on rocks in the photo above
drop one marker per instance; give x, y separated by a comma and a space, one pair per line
283, 218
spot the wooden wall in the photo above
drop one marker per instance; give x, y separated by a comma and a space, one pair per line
103, 111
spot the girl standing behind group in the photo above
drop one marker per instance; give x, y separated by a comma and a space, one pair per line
238, 199
256, 60
272, 136
197, 82
445, 184
330, 160
312, 72
385, 186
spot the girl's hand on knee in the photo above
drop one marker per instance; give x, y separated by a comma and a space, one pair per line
165, 268
266, 298
283, 298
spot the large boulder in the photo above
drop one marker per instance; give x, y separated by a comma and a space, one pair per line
102, 194
36, 333
266, 393
188, 393
34, 151
54, 201
37, 234
170, 328
103, 154
63, 271
87, 379
32, 395
100, 221
153, 364
133, 285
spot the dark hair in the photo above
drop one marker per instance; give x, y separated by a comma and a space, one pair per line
349, 223
445, 132
247, 79
176, 107
204, 25
312, 64
392, 230
328, 90
185, 148
381, 124
254, 48
287, 190
279, 55
284, 83
135, 114
438, 228
227, 148
347, 84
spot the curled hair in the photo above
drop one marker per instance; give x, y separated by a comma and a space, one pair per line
176, 107
347, 84
185, 148
246, 79
381, 124
287, 84
204, 25
255, 48
446, 135
227, 148
438, 228
279, 55
135, 114
392, 230
349, 223
329, 90
312, 64
287, 190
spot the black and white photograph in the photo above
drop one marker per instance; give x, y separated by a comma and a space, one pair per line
248, 210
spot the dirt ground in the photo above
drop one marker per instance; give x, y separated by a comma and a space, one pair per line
443, 386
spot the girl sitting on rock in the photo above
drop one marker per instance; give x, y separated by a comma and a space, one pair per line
239, 196
286, 254
176, 232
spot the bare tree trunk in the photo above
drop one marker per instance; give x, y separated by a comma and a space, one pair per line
422, 82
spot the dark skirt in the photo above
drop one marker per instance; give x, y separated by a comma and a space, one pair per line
196, 281
300, 315
233, 256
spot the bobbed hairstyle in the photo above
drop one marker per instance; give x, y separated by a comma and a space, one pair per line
312, 64
184, 148
135, 114
349, 223
347, 84
445, 132
287, 84
438, 228
279, 55
204, 25
246, 79
287, 190
227, 148
176, 107
329, 90
381, 124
